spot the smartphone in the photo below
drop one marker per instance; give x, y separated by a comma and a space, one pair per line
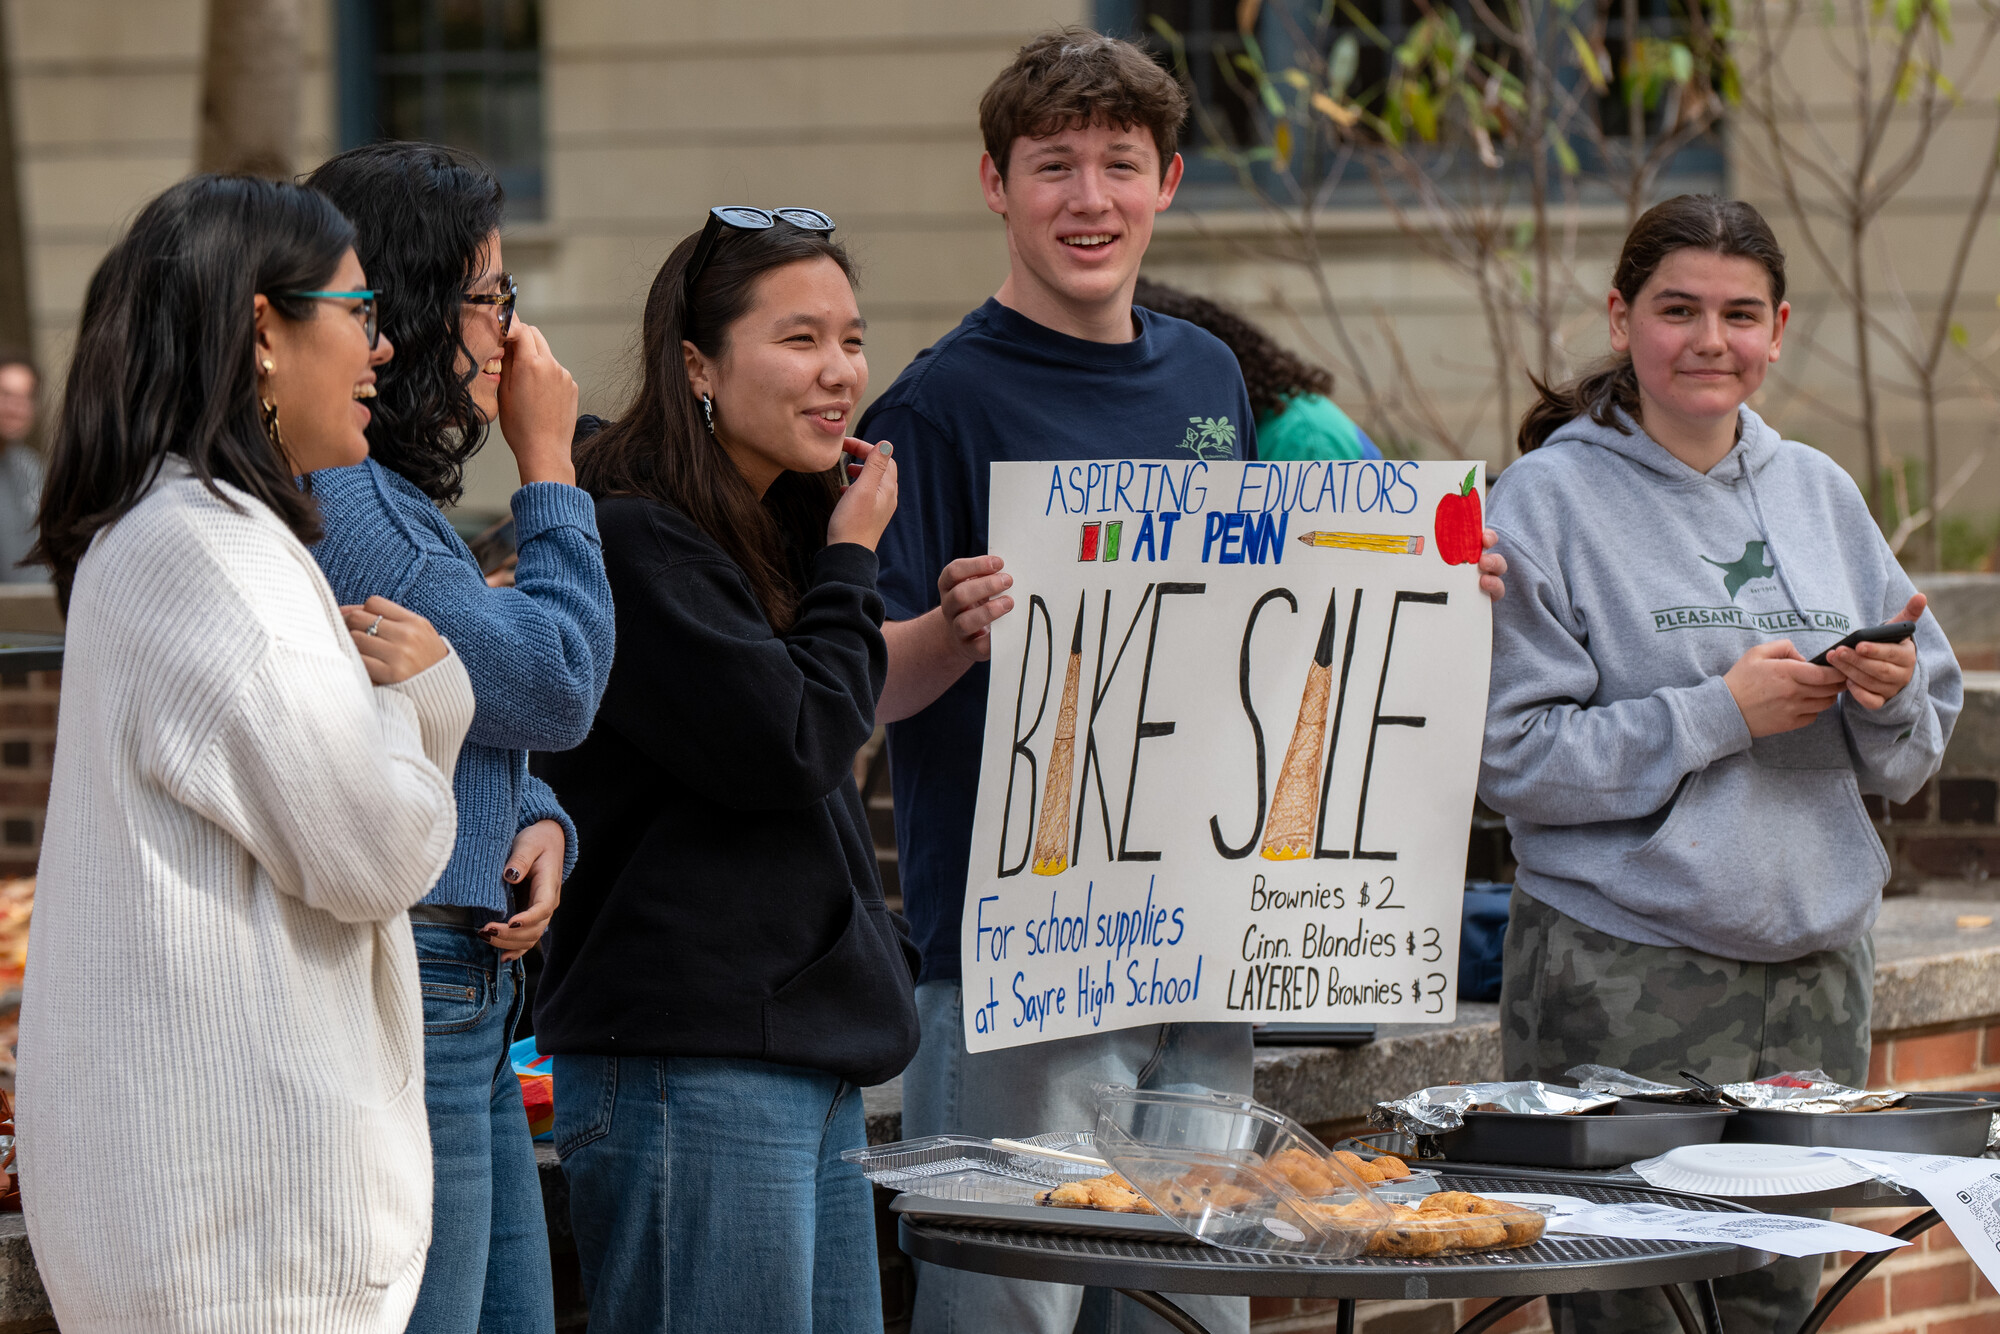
1889, 632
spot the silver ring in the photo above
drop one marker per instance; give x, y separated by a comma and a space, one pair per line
370, 631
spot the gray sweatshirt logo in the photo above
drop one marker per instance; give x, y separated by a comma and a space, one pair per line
1752, 564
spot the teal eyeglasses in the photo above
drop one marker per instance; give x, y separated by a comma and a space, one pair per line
367, 296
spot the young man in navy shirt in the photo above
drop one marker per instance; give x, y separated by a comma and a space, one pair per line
1080, 136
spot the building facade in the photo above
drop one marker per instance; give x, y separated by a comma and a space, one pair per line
616, 123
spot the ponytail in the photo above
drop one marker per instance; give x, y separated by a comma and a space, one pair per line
1685, 222
1607, 386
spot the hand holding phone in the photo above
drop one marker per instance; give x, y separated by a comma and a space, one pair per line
1889, 632
1883, 659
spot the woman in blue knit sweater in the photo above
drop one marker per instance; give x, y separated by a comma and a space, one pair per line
538, 653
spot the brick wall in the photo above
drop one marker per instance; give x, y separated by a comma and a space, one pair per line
1931, 1287
27, 752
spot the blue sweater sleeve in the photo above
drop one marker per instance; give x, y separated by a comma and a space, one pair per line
538, 653
538, 803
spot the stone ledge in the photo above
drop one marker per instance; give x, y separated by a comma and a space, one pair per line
1928, 972
24, 1304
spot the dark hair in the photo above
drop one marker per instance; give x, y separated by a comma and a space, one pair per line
1273, 374
165, 359
1073, 77
1685, 222
661, 447
423, 214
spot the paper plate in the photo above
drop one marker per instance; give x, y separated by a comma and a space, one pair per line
1749, 1169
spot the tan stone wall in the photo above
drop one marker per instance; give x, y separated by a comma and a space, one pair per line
656, 110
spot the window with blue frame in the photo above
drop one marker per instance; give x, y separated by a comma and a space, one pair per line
467, 73
1211, 44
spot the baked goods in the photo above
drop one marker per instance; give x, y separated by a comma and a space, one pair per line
1387, 1167
1447, 1221
1309, 1174
1409, 1236
1306, 1171
1196, 1191
1111, 1193
1203, 1188
1518, 1226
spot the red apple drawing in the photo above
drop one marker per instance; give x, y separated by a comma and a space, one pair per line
1459, 536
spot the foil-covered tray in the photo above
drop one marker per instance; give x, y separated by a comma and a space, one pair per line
1434, 1110
1812, 1091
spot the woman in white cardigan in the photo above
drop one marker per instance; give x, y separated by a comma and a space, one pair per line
221, 1070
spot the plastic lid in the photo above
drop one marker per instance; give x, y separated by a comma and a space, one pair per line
1229, 1171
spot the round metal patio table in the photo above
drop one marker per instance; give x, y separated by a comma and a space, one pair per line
1556, 1264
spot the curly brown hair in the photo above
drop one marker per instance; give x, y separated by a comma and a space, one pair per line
1273, 374
1073, 77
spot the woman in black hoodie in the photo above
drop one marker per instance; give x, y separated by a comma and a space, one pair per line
723, 974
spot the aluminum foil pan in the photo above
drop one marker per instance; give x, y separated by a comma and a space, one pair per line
1808, 1091
1793, 1091
1434, 1110
1604, 1079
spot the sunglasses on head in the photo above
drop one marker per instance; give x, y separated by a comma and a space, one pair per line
742, 218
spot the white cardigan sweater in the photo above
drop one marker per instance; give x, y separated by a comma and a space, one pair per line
221, 1055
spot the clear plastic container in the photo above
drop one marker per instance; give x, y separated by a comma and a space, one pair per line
1234, 1173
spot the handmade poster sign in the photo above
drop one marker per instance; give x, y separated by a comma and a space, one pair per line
1232, 739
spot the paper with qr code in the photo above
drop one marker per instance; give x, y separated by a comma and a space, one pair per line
1964, 1191
1780, 1233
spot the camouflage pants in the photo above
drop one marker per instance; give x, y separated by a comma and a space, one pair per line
1570, 995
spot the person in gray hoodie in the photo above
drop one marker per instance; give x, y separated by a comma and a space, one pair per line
1698, 875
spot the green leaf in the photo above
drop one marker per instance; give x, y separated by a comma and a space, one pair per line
1297, 78
1565, 155
1906, 15
1587, 59
1341, 65
1281, 146
1418, 106
1680, 61
1465, 487
1959, 335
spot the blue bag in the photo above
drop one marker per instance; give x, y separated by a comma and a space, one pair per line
1481, 940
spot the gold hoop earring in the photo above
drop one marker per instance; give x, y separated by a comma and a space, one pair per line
271, 431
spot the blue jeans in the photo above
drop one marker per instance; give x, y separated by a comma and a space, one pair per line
1045, 1087
488, 1267
709, 1194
